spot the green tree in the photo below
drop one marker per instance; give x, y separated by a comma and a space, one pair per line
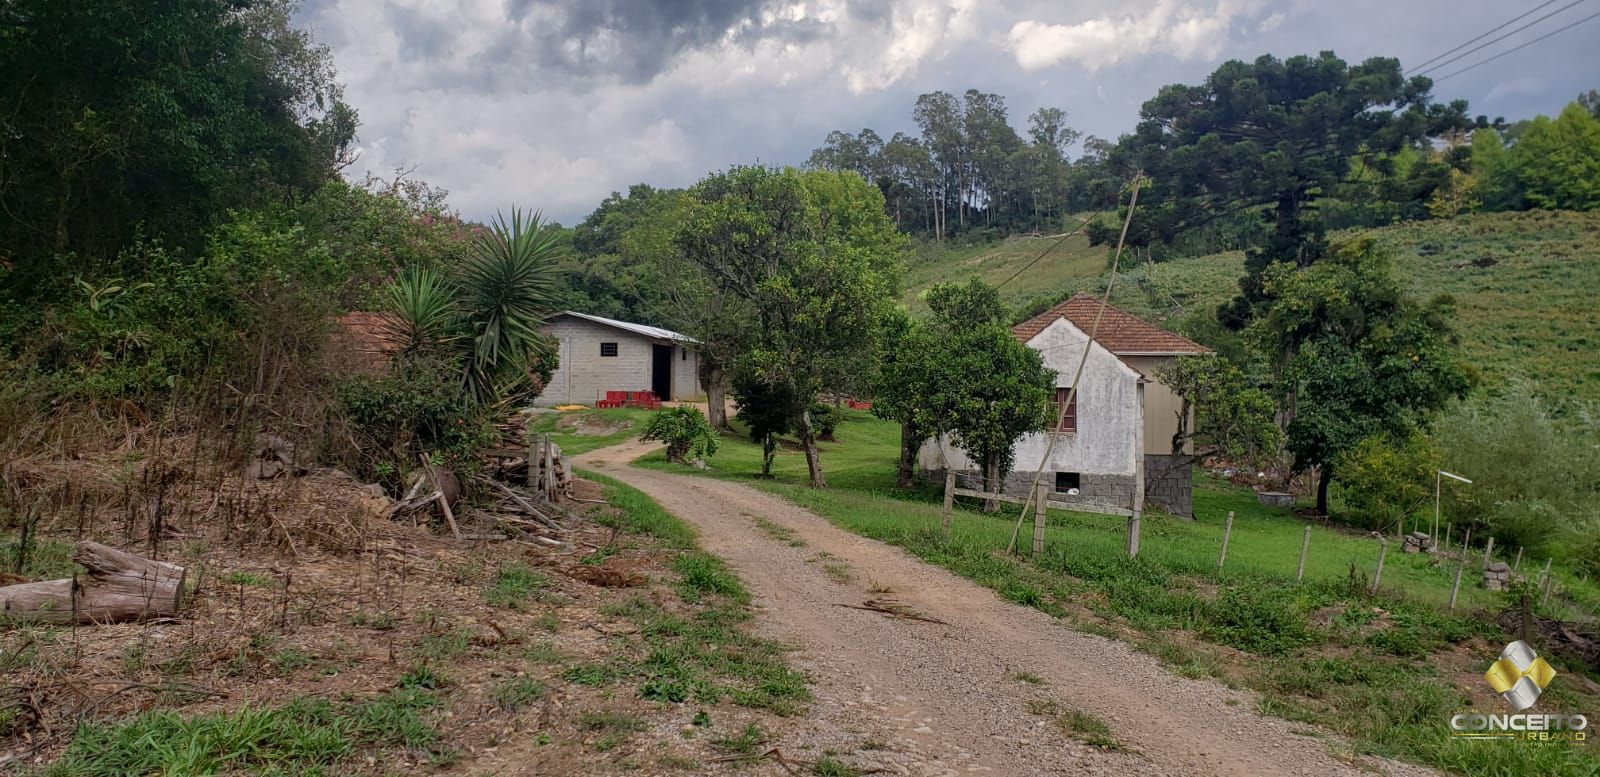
1271, 135
811, 263
917, 385
119, 119
898, 394
621, 254
1003, 392
1370, 360
961, 372
1232, 416
1558, 162
766, 411
1384, 480
1495, 172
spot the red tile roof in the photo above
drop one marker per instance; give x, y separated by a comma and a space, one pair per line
1121, 332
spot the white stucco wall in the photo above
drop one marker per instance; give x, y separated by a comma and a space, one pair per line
1108, 413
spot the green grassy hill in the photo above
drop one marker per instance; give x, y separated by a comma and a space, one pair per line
1527, 286
1067, 263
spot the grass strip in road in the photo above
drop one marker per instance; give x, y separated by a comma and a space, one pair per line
699, 649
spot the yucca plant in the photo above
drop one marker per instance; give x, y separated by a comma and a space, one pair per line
508, 284
488, 315
425, 315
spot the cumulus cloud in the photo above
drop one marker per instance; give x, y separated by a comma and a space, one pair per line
556, 103
1183, 30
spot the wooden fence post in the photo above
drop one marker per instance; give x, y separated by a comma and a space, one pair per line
1488, 550
1133, 534
1518, 563
554, 474
1545, 575
548, 482
533, 458
1039, 498
949, 497
1456, 589
1305, 545
1466, 544
1446, 537
1227, 531
1377, 577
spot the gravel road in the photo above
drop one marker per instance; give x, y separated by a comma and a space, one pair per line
943, 699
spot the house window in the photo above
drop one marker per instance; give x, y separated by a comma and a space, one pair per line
683, 354
1069, 422
608, 349
1066, 481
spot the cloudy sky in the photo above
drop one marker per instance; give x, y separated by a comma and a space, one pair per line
555, 103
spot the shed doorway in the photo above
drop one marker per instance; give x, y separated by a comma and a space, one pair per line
661, 371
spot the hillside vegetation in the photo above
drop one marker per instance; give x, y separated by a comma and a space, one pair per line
1523, 283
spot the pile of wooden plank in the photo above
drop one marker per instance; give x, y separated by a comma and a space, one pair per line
524, 482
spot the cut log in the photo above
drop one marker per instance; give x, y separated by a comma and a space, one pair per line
117, 587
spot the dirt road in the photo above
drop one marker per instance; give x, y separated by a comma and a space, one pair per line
946, 699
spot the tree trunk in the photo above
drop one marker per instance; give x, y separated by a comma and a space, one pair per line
717, 399
1323, 479
991, 482
769, 449
910, 443
118, 587
808, 440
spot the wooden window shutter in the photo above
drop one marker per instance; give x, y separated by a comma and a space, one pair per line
1069, 421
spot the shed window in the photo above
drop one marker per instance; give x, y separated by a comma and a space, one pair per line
1069, 422
1066, 481
683, 354
608, 349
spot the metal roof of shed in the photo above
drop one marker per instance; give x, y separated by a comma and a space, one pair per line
654, 332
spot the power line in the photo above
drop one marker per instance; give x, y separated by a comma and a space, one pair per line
1485, 45
1518, 48
1035, 260
1487, 33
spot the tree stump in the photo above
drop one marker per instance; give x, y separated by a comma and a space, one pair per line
117, 587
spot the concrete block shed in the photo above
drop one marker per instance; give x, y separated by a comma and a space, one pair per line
599, 354
1116, 439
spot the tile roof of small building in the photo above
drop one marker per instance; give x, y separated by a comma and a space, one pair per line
1120, 332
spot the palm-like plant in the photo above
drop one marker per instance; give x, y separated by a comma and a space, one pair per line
488, 316
425, 316
508, 284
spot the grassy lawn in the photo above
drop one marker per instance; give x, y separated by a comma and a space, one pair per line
1377, 669
581, 431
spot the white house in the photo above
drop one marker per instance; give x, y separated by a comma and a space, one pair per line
600, 354
1116, 439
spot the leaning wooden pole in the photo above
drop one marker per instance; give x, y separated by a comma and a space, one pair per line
1227, 532
118, 586
1039, 497
1305, 545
